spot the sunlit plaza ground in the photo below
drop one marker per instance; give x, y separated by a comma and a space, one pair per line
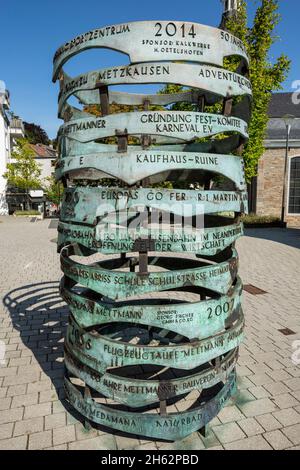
33, 412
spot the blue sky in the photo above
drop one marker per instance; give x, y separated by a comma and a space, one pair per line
32, 30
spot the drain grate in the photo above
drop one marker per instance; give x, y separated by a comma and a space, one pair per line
253, 290
287, 332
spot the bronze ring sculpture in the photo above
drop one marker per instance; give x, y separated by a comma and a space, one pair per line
146, 331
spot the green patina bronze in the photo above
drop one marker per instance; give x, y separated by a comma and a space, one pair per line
146, 331
166, 126
87, 205
70, 147
105, 239
173, 426
137, 393
101, 352
192, 320
145, 41
132, 167
104, 278
213, 81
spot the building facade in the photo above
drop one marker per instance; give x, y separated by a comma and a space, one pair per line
17, 200
4, 146
271, 185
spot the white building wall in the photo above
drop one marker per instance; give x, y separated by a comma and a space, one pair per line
4, 158
46, 166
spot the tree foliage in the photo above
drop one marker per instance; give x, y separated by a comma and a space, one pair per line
35, 134
24, 172
266, 76
53, 189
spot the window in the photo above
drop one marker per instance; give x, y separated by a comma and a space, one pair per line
294, 187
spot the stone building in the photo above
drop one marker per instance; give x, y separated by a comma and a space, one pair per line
267, 189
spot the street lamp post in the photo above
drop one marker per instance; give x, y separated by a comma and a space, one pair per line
288, 120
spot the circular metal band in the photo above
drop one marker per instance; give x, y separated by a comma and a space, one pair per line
164, 125
101, 352
101, 201
210, 80
104, 239
137, 392
148, 41
119, 284
174, 426
70, 147
133, 166
190, 319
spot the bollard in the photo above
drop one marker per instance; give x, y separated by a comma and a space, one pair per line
151, 272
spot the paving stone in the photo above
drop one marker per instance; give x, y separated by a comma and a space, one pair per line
192, 442
257, 407
15, 443
9, 416
125, 443
210, 440
259, 392
47, 395
268, 422
228, 432
40, 440
285, 400
277, 388
39, 386
55, 421
277, 440
216, 448
287, 417
6, 430
83, 433
5, 403
229, 414
63, 435
61, 447
293, 433
250, 426
8, 371
105, 442
150, 446
24, 400
293, 384
15, 390
22, 378
250, 443
29, 426
40, 409
261, 379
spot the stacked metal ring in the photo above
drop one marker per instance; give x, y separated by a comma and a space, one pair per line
149, 335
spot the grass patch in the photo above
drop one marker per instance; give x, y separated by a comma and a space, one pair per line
261, 220
20, 213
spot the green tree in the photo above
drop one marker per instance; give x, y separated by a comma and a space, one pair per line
35, 134
53, 190
266, 77
24, 173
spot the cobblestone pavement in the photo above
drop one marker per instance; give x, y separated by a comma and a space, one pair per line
33, 412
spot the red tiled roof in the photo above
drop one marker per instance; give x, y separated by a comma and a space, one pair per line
42, 150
